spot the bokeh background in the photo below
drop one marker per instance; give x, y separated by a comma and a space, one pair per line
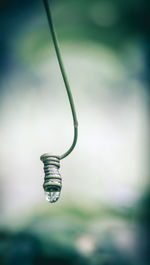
102, 216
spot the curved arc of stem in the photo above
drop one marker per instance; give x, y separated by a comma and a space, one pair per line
66, 82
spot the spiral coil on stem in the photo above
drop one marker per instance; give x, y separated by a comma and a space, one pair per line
52, 180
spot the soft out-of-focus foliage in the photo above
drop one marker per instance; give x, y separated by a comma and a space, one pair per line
103, 213
75, 234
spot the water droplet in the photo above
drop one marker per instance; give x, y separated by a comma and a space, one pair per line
52, 196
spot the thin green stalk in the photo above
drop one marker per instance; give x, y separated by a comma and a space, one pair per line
68, 89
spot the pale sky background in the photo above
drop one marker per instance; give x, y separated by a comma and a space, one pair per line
109, 162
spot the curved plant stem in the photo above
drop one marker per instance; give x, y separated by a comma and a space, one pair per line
68, 89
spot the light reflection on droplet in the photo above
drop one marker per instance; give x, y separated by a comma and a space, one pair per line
52, 196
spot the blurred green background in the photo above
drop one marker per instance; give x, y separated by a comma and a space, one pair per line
102, 216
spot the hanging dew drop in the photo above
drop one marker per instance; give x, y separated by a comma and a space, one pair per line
52, 193
52, 196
